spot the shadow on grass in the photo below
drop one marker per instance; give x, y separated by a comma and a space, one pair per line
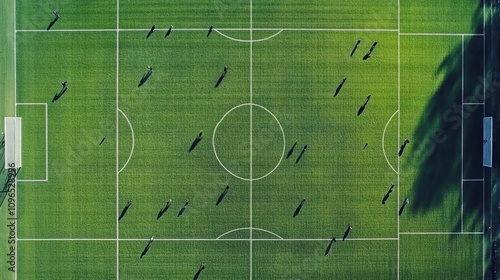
437, 140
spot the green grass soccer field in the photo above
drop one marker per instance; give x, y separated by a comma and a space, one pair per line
304, 125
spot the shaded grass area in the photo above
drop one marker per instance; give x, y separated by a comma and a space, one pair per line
438, 134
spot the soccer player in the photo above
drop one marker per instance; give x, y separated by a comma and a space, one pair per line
346, 233
405, 202
401, 150
56, 14
366, 145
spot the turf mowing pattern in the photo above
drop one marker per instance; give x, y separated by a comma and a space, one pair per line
284, 63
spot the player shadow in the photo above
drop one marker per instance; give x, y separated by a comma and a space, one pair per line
144, 78
219, 81
52, 23
195, 142
297, 210
197, 274
162, 211
329, 247
435, 151
290, 152
151, 31
301, 154
146, 249
58, 95
181, 211
222, 195
124, 211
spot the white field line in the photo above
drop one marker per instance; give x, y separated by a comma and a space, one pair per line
251, 140
484, 114
383, 142
118, 139
133, 141
399, 127
248, 228
15, 114
202, 239
220, 29
247, 41
462, 148
439, 34
21, 180
442, 233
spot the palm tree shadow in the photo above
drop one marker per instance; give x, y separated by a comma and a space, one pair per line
436, 154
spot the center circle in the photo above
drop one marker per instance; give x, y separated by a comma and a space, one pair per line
246, 142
